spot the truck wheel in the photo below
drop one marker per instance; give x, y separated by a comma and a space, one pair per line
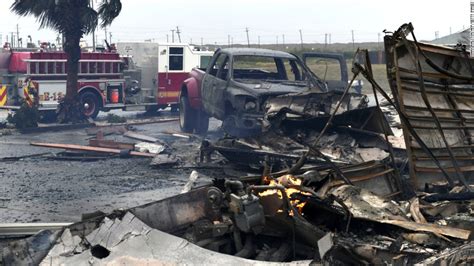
90, 104
202, 123
187, 116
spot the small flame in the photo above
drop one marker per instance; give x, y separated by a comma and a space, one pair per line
288, 181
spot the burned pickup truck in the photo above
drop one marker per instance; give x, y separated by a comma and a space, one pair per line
239, 81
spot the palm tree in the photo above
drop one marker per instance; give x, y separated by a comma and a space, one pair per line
73, 19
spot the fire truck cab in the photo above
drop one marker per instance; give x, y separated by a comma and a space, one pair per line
164, 67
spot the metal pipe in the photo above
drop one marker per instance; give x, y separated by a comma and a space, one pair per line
27, 229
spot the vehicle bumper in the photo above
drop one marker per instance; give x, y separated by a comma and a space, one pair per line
246, 121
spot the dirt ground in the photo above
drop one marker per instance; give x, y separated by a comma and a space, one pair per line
39, 189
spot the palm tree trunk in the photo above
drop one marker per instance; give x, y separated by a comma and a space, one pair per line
73, 51
70, 109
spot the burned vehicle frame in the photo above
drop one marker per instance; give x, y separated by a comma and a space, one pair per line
239, 101
237, 84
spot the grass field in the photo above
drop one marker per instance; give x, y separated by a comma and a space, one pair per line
331, 71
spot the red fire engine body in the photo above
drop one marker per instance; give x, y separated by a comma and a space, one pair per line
150, 75
101, 84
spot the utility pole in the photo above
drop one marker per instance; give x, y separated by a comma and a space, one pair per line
172, 36
18, 34
283, 40
179, 33
471, 35
353, 42
228, 40
301, 39
93, 33
248, 39
325, 40
167, 38
277, 40
330, 41
12, 40
259, 41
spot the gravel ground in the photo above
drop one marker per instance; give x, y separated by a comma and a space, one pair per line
38, 189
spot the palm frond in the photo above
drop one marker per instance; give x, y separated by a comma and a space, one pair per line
89, 20
31, 7
108, 11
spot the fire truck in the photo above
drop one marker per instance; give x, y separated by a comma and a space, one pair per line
107, 80
164, 67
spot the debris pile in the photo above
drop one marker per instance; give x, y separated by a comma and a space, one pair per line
325, 182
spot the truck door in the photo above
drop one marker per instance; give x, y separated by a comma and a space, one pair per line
214, 85
174, 75
330, 68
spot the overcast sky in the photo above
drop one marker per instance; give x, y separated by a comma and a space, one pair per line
214, 20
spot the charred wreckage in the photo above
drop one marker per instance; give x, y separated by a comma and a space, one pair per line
327, 181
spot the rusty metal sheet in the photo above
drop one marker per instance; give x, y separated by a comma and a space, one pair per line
444, 122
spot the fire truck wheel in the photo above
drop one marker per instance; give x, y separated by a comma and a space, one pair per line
202, 123
90, 104
187, 116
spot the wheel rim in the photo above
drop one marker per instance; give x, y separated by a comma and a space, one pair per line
88, 105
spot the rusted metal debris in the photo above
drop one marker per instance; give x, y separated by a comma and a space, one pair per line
328, 186
431, 86
282, 219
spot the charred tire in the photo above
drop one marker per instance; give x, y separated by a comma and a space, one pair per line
202, 123
89, 104
187, 115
